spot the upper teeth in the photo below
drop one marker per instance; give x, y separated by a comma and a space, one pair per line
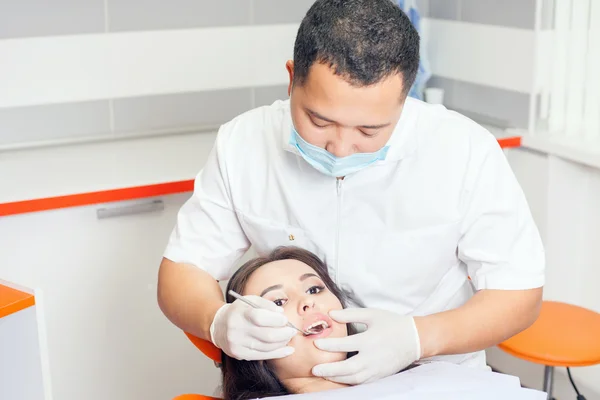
324, 324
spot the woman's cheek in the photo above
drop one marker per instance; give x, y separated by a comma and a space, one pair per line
343, 330
294, 342
296, 365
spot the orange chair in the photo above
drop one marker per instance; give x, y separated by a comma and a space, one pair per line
211, 352
206, 347
564, 335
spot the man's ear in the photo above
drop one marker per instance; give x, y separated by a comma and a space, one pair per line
289, 65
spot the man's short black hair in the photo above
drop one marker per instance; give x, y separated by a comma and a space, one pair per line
364, 41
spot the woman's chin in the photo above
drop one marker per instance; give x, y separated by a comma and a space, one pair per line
325, 357
307, 355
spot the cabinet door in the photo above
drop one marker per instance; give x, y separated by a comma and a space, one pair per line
107, 338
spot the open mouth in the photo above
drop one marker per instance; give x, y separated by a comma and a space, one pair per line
317, 327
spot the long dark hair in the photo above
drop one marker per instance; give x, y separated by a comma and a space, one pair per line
252, 379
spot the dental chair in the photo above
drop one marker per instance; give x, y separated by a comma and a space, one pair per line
211, 352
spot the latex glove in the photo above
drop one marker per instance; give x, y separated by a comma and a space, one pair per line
248, 333
389, 344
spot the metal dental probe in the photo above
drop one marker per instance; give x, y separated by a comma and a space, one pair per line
251, 304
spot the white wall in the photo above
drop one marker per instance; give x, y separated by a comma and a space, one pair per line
565, 200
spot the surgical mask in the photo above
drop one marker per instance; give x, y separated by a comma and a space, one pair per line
328, 164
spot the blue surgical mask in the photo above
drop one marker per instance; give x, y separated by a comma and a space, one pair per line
327, 163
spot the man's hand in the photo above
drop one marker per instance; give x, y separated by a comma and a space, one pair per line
390, 344
247, 333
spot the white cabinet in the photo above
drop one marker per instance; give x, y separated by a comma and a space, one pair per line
21, 371
107, 338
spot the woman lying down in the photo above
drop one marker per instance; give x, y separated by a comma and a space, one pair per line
297, 281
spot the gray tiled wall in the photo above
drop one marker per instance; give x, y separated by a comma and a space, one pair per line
129, 15
28, 18
180, 110
485, 104
444, 9
280, 11
267, 94
512, 13
41, 123
132, 115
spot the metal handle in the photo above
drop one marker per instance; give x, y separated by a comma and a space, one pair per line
155, 205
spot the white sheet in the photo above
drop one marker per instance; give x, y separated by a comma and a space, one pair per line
434, 381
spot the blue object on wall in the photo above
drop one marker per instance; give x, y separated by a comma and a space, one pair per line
410, 9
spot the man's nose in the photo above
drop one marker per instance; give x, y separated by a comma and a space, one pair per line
340, 145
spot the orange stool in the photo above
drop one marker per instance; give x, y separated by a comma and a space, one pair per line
564, 335
211, 352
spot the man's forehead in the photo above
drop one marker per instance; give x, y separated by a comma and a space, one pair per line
326, 93
350, 112
320, 73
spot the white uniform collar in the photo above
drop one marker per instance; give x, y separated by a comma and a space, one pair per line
402, 142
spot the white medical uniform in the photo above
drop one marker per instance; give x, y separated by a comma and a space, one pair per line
442, 216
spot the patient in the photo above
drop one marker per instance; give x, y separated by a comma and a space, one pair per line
298, 281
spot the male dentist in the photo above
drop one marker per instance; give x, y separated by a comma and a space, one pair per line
413, 207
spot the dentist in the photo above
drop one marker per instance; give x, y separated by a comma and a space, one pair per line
413, 207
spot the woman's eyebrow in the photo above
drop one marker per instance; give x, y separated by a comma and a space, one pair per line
308, 275
274, 287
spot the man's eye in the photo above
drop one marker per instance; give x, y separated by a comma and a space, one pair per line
369, 134
315, 290
279, 302
317, 125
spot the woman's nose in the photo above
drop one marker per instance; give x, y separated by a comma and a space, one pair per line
306, 305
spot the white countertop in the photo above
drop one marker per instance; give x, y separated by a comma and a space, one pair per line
81, 168
574, 149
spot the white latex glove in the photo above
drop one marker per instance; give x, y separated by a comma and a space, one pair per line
389, 344
248, 333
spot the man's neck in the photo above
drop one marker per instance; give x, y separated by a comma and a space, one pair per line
310, 385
